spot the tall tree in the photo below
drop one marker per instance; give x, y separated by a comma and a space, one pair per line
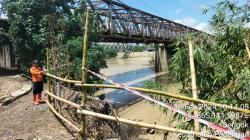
37, 24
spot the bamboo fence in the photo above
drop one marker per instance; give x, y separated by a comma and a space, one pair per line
77, 106
146, 125
121, 120
150, 91
56, 98
61, 117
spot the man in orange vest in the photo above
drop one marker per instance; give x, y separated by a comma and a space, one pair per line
37, 80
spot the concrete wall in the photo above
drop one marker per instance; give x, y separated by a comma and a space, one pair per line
162, 59
6, 58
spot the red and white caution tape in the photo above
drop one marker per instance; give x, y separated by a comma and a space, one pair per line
214, 126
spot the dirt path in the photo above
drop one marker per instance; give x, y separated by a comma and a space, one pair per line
22, 120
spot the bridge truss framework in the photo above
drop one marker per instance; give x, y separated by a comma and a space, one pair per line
122, 23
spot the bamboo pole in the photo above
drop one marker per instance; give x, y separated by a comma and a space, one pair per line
63, 100
48, 67
194, 86
141, 124
62, 79
84, 74
162, 93
247, 49
68, 68
61, 117
59, 95
149, 91
54, 92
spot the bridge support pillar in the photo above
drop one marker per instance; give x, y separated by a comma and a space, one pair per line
162, 59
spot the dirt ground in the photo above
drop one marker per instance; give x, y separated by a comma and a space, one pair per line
23, 121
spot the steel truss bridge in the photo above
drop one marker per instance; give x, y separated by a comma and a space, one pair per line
125, 24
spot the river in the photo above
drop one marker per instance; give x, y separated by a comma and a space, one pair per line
132, 71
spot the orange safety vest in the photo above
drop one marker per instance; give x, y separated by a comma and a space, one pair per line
37, 75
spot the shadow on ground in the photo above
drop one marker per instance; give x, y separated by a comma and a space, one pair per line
8, 72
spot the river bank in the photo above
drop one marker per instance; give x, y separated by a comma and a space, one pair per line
131, 71
139, 109
144, 111
118, 65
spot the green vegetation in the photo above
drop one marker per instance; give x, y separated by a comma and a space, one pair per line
221, 63
4, 33
222, 67
139, 48
155, 86
111, 52
95, 61
125, 55
33, 21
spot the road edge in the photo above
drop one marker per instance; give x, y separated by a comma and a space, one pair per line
17, 94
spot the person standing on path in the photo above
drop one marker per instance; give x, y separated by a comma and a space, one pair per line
37, 80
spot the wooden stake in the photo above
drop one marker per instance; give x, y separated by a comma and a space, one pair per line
194, 86
84, 75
